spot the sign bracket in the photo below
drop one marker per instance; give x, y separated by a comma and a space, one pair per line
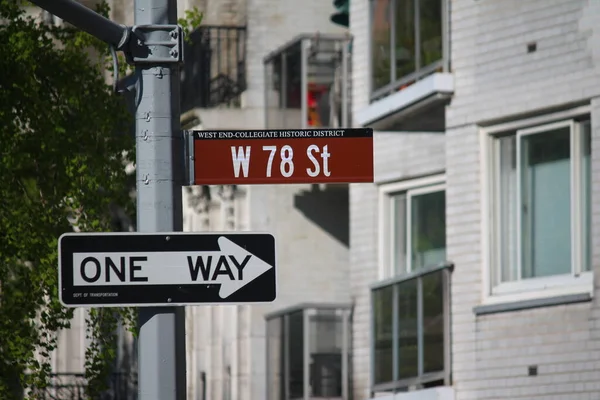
188, 143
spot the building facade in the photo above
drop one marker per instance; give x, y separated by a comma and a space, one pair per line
473, 256
281, 53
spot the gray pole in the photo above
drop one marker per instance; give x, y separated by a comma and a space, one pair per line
159, 167
160, 170
87, 20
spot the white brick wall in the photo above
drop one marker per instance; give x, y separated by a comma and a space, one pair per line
363, 270
495, 76
359, 27
491, 353
496, 79
398, 156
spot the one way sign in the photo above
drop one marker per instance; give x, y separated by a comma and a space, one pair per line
152, 269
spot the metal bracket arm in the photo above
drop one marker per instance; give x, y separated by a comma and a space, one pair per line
155, 44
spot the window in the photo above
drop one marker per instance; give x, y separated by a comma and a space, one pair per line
411, 322
414, 220
308, 353
406, 42
541, 206
410, 343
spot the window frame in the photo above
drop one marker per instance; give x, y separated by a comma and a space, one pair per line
278, 373
413, 383
412, 187
420, 70
578, 281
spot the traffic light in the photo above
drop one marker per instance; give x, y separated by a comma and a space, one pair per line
342, 16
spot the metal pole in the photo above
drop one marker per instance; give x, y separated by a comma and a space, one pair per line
87, 20
160, 169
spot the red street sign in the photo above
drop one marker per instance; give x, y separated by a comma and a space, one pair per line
281, 156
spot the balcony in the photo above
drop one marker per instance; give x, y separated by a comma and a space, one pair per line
307, 83
214, 73
308, 353
411, 80
411, 334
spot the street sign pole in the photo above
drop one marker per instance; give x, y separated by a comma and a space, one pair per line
154, 46
159, 172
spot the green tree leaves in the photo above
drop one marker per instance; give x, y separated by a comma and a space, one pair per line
62, 140
192, 20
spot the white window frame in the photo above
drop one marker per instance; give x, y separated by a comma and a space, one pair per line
577, 282
413, 187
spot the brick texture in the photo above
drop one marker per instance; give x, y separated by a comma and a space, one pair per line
398, 156
496, 78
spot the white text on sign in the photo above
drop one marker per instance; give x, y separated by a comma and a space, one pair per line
240, 158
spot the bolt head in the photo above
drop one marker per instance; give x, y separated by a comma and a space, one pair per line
173, 53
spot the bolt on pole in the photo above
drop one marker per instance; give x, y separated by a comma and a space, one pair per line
160, 172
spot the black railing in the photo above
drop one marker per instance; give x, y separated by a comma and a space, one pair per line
214, 73
71, 386
411, 330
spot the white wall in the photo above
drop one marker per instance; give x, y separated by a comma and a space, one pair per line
398, 156
496, 79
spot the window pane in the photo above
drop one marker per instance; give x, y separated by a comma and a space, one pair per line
405, 38
380, 43
382, 309
546, 203
296, 354
430, 21
408, 352
399, 233
507, 203
326, 354
428, 229
586, 178
275, 361
433, 323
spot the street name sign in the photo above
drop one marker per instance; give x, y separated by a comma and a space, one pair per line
159, 269
280, 156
